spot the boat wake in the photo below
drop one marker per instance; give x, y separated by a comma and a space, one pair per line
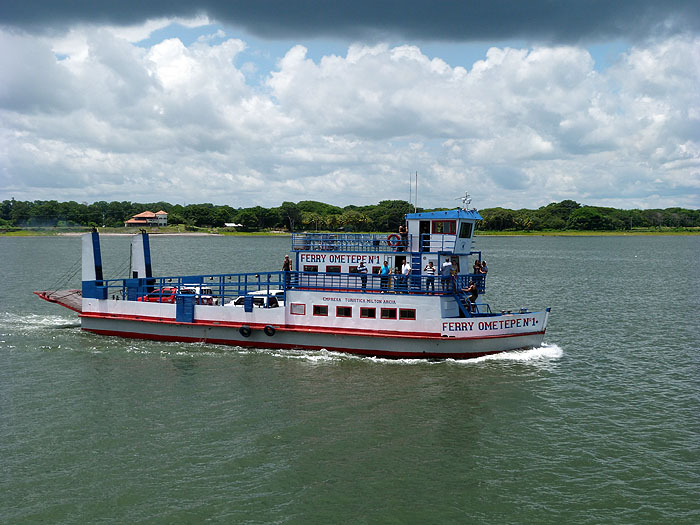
546, 352
32, 322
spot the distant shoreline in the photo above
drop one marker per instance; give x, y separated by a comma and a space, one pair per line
563, 233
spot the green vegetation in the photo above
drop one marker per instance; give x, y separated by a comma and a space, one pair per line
41, 217
569, 215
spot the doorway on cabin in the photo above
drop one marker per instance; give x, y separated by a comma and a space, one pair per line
398, 263
424, 230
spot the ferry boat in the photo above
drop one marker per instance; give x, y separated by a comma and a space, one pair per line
326, 302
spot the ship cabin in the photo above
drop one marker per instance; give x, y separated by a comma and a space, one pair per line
435, 237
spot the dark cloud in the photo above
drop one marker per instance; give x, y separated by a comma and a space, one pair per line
456, 20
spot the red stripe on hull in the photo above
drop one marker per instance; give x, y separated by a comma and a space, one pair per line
258, 344
305, 329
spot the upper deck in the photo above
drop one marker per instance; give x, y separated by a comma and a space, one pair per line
449, 231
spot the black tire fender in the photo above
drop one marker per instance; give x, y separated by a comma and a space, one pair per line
269, 330
245, 331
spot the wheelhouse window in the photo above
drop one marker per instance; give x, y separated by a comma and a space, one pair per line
407, 314
297, 309
343, 311
376, 269
311, 267
445, 227
352, 269
368, 313
388, 313
321, 309
465, 230
332, 269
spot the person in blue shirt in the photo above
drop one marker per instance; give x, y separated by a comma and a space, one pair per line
384, 274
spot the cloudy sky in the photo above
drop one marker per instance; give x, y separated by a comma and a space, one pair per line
257, 102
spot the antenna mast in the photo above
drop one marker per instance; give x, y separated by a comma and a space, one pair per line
466, 201
415, 205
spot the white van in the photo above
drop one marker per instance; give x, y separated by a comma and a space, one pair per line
261, 299
205, 295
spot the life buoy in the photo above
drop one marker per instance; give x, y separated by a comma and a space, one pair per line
245, 331
393, 239
269, 330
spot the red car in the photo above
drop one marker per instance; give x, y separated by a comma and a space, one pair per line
160, 295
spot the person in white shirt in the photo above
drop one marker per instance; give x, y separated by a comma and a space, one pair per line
405, 271
446, 274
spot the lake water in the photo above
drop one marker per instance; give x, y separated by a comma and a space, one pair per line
599, 425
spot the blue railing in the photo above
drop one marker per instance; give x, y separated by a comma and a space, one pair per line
437, 242
348, 242
371, 242
222, 288
207, 289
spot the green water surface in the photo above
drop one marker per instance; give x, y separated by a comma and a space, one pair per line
599, 425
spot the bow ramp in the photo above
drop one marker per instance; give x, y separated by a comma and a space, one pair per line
72, 299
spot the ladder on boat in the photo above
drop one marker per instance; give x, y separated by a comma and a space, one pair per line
465, 307
416, 270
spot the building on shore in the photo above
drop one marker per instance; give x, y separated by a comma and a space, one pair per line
148, 218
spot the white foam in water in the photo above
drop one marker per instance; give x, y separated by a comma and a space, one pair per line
540, 353
313, 356
34, 321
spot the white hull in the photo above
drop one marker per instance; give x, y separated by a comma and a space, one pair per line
427, 337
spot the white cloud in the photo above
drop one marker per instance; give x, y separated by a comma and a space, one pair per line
91, 116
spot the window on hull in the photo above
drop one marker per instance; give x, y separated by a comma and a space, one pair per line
407, 314
368, 313
320, 309
343, 311
388, 313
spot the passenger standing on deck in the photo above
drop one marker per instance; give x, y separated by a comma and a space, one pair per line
430, 271
473, 294
362, 270
286, 268
484, 268
406, 272
384, 274
477, 267
446, 274
403, 232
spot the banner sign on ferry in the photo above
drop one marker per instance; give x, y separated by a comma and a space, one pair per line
496, 324
338, 258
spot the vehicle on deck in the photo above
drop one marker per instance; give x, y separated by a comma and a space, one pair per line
160, 295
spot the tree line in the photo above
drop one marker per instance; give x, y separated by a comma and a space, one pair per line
312, 215
570, 215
